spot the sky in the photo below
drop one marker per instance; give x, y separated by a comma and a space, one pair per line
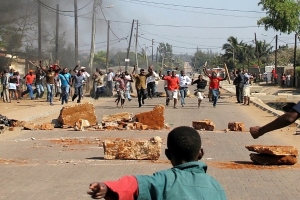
186, 25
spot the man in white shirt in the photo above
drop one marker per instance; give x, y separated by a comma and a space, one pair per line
151, 83
184, 81
110, 76
246, 88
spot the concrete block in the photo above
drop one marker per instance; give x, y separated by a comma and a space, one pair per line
264, 159
154, 119
134, 149
125, 117
205, 124
69, 115
46, 126
81, 124
29, 126
273, 150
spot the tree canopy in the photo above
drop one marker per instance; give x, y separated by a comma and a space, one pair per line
282, 15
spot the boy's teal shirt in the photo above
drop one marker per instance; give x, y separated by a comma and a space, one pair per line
185, 181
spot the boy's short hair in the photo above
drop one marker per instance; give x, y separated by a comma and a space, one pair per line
184, 143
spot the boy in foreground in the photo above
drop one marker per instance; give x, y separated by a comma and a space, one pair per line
186, 180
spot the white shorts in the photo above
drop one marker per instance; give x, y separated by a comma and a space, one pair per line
199, 95
12, 86
173, 94
246, 91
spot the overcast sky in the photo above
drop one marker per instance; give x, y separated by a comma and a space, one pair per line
185, 25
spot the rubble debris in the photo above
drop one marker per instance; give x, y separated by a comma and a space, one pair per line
81, 124
124, 117
236, 126
69, 115
205, 124
29, 126
273, 150
264, 159
133, 149
153, 119
46, 126
273, 155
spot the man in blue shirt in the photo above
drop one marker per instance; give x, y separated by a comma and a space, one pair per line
78, 80
65, 79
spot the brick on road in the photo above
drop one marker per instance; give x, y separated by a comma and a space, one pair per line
44, 165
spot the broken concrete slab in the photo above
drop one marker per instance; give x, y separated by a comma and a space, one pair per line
153, 119
29, 126
205, 124
81, 124
273, 150
133, 149
264, 159
69, 115
46, 126
236, 126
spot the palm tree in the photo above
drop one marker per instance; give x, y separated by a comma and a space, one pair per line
264, 51
231, 48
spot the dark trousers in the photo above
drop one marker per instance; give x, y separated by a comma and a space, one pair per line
151, 89
142, 94
78, 92
239, 92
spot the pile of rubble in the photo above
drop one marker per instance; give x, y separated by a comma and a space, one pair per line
273, 155
84, 118
208, 125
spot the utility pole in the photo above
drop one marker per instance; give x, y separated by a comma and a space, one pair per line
136, 44
92, 52
156, 57
295, 54
152, 49
76, 32
40, 31
276, 42
57, 33
257, 53
107, 51
128, 50
146, 55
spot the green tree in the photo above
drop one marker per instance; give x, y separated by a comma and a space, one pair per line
282, 15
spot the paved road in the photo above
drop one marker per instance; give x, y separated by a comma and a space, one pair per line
39, 165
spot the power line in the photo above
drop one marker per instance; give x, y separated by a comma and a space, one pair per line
40, 2
213, 27
198, 7
193, 11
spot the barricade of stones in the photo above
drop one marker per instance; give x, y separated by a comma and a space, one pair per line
273, 155
208, 125
151, 120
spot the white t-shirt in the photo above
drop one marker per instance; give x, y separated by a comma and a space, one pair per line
110, 76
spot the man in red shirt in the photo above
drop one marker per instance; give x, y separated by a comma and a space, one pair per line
29, 79
173, 86
214, 84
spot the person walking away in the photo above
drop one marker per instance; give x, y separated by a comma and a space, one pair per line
39, 73
276, 78
18, 85
140, 84
13, 81
214, 85
78, 84
283, 78
288, 80
173, 86
184, 81
240, 85
65, 80
110, 76
100, 84
29, 80
151, 82
166, 88
187, 179
201, 84
5, 86
282, 121
94, 77
86, 75
265, 75
246, 88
